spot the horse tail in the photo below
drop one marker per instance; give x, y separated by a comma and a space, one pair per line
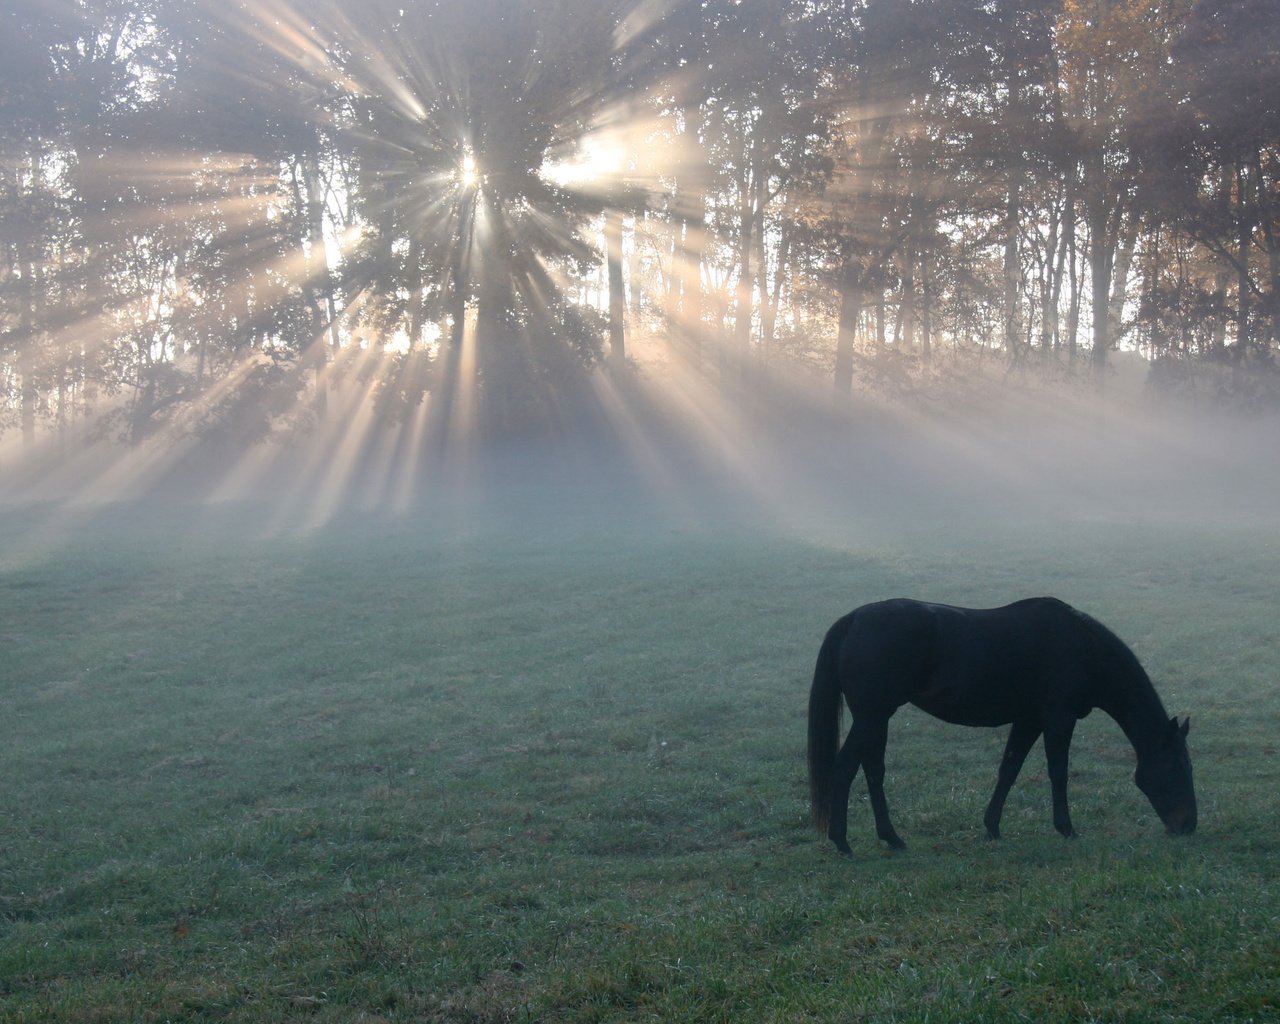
824, 725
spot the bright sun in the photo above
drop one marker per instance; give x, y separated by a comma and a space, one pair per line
468, 176
596, 160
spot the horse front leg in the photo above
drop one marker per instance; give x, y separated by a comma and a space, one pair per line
1022, 738
874, 735
1057, 741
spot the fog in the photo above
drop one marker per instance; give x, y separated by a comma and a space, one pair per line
655, 448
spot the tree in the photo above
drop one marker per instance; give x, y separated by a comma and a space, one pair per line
72, 79
1115, 59
453, 141
767, 132
1228, 58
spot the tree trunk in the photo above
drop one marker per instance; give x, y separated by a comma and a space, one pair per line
1066, 227
26, 354
459, 279
1073, 278
617, 298
496, 353
635, 273
1244, 236
1271, 245
690, 208
850, 309
448, 380
318, 285
1150, 273
881, 319
1012, 265
1101, 262
674, 276
1100, 281
742, 304
1218, 330
690, 268
768, 298
1122, 264
926, 311
417, 297
907, 311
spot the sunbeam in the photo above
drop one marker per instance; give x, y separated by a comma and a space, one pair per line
344, 253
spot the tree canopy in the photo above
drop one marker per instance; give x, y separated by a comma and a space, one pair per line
213, 214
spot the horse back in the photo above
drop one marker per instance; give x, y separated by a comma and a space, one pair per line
969, 666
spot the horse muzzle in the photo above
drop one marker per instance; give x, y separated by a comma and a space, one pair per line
1181, 825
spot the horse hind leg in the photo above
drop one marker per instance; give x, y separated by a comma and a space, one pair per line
1022, 737
846, 769
872, 739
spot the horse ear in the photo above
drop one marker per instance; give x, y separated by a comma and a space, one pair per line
1186, 727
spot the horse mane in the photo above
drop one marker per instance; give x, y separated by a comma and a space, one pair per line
1114, 661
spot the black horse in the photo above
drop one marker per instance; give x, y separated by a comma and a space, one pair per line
1038, 664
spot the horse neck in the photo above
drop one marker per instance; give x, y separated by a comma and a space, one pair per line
1136, 707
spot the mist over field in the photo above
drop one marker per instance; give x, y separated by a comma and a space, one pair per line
790, 459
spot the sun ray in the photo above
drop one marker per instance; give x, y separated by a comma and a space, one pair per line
450, 212
318, 486
404, 476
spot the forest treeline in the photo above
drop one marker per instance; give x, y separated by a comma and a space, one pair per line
212, 211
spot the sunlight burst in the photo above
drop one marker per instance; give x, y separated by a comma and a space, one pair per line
468, 174
442, 222
593, 162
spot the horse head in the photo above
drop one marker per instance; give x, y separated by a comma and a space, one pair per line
1164, 776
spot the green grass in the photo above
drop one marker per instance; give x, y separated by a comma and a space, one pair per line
548, 766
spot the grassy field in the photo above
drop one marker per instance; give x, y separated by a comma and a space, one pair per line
548, 765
